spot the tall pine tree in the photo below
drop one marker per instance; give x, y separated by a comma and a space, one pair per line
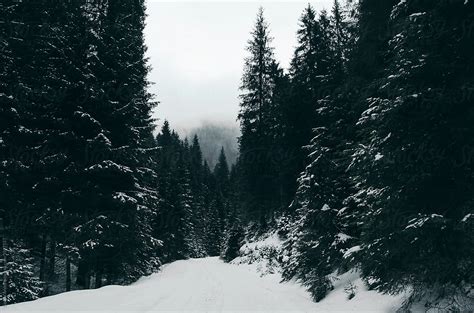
257, 114
416, 180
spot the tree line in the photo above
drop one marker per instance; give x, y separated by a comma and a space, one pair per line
197, 204
89, 196
359, 153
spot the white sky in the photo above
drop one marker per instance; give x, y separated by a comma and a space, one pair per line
197, 50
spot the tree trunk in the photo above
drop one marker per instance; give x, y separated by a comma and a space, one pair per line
109, 279
87, 281
43, 258
98, 279
82, 275
68, 273
52, 259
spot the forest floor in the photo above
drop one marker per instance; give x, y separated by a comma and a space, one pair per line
209, 285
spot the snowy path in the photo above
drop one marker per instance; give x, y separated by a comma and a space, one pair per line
197, 285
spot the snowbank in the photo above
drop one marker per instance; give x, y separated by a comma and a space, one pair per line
210, 285
263, 256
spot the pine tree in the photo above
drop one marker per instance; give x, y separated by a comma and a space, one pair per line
327, 228
197, 167
368, 59
257, 121
221, 172
282, 162
78, 119
233, 234
416, 198
222, 201
191, 246
9, 117
200, 174
180, 221
305, 78
22, 283
233, 244
320, 232
69, 59
214, 229
309, 68
168, 220
39, 83
119, 199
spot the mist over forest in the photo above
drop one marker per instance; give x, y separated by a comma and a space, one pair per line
212, 137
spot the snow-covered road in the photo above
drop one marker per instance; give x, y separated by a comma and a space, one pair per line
196, 285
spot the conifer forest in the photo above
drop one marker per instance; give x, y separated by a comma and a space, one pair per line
356, 160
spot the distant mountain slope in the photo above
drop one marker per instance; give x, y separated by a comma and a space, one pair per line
212, 137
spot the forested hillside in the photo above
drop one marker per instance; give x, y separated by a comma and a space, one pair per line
77, 170
88, 195
212, 137
359, 156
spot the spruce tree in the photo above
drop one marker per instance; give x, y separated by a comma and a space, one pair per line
304, 72
76, 140
168, 220
341, 37
221, 172
257, 119
308, 85
39, 84
119, 199
416, 190
321, 229
22, 282
223, 199
180, 221
233, 234
190, 246
9, 117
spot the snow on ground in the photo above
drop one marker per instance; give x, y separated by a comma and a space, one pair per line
210, 285
262, 254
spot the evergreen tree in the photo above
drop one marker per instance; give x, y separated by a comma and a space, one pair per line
197, 167
10, 197
320, 235
222, 200
305, 78
184, 232
119, 200
256, 119
309, 83
282, 155
234, 242
221, 172
168, 220
200, 185
75, 137
35, 42
180, 221
22, 283
233, 234
415, 194
341, 35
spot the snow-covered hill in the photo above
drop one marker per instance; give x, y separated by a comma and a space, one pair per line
209, 285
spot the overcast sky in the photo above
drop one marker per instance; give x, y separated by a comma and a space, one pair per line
197, 50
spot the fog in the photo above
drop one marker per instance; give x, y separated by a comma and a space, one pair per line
197, 51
